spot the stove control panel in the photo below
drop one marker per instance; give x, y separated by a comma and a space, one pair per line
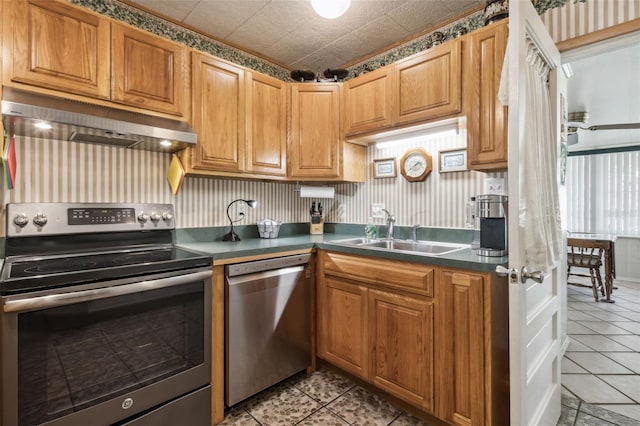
30, 219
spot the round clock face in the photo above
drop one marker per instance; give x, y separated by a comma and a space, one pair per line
416, 165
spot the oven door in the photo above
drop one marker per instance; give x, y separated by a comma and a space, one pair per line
97, 356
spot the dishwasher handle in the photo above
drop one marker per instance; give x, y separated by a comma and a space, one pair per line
259, 276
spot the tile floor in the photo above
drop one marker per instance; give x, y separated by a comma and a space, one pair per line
601, 367
600, 377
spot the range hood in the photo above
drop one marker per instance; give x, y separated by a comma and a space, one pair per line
23, 113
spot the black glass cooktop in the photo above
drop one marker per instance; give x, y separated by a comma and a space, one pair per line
32, 274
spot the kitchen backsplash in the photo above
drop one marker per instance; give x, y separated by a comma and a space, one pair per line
59, 171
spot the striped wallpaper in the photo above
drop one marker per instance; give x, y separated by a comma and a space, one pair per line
59, 171
576, 19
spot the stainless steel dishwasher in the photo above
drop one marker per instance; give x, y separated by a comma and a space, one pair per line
267, 323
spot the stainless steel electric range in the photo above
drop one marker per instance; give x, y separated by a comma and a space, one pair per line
104, 321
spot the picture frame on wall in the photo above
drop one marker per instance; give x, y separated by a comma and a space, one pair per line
453, 160
384, 168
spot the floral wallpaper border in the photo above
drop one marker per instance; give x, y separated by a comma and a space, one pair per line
146, 21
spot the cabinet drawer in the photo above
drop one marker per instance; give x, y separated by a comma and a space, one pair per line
412, 277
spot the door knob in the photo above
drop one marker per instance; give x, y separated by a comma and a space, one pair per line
537, 276
522, 277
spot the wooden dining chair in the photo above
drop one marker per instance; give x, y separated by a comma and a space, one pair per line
586, 254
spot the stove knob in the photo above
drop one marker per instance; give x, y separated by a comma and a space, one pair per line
166, 216
143, 217
40, 219
155, 217
21, 220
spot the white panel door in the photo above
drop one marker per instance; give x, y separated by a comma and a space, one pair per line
534, 308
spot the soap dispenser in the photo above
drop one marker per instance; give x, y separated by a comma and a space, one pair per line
370, 230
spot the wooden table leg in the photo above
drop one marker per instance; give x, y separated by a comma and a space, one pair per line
608, 272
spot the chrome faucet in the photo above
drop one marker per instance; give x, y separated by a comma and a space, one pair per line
390, 221
414, 232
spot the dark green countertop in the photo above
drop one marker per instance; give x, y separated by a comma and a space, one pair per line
251, 245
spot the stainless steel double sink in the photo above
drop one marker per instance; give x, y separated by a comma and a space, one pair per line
428, 248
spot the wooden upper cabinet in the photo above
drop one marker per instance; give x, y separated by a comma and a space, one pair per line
148, 71
56, 45
369, 102
218, 114
428, 84
486, 116
266, 135
315, 143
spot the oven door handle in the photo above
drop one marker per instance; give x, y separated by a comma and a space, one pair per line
61, 299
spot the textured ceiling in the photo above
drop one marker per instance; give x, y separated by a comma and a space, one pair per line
289, 33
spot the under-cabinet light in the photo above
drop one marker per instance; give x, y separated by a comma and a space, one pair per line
441, 129
43, 125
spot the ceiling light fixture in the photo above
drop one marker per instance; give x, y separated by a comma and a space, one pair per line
330, 9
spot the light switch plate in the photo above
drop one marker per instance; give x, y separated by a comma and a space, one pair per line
376, 210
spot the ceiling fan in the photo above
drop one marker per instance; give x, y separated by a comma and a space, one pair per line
577, 119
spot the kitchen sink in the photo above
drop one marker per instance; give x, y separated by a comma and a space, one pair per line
430, 248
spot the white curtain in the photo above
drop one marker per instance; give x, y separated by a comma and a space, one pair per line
539, 209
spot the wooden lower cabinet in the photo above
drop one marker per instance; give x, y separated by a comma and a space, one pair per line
434, 337
375, 320
342, 325
401, 341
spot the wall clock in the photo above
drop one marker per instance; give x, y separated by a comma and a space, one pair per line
416, 165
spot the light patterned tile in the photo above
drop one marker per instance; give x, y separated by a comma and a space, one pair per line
575, 327
281, 406
630, 326
631, 360
630, 341
575, 346
604, 413
591, 389
323, 417
324, 385
570, 367
596, 363
602, 327
578, 315
611, 316
600, 343
627, 384
632, 411
361, 407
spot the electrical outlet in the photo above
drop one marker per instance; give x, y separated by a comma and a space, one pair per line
376, 210
494, 186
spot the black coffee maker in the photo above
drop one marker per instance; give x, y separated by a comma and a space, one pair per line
492, 211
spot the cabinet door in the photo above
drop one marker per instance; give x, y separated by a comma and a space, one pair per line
369, 101
315, 144
147, 71
486, 116
429, 84
218, 114
462, 362
401, 333
342, 325
58, 46
266, 125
